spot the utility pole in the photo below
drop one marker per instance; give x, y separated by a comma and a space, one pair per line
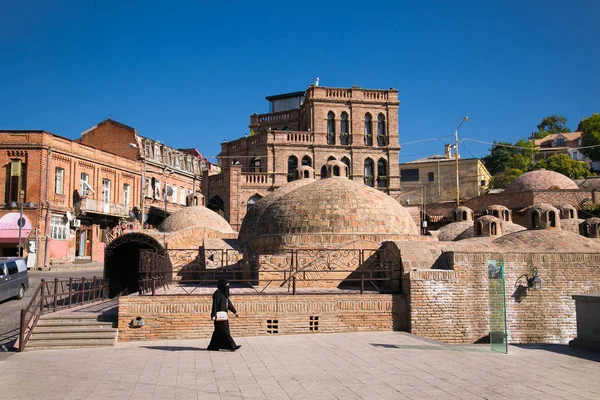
456, 157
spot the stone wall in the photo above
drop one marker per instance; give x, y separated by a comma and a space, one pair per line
179, 317
452, 306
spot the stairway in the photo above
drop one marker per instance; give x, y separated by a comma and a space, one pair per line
92, 325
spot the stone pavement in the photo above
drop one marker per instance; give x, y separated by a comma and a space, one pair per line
371, 365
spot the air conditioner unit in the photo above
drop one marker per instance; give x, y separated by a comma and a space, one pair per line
76, 223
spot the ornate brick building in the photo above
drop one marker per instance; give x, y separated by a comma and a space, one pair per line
356, 126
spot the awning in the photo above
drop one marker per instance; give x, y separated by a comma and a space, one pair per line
9, 229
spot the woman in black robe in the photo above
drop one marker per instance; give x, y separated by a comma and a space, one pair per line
221, 338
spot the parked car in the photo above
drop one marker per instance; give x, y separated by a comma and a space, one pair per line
14, 279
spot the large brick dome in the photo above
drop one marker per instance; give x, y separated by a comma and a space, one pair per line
196, 216
329, 212
541, 179
247, 229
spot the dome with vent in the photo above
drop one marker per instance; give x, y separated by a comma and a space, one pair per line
328, 212
541, 179
195, 216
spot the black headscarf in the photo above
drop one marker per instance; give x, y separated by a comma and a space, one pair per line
223, 286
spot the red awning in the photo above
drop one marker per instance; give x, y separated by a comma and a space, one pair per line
9, 230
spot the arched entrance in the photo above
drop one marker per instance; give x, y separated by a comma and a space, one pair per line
122, 259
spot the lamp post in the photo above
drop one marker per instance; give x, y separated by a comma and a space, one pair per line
456, 157
143, 191
21, 220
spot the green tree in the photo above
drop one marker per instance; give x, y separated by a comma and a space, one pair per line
503, 178
552, 124
507, 155
565, 165
590, 128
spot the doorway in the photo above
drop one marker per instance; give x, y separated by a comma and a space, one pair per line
83, 244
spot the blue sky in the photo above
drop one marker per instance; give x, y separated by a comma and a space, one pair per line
190, 74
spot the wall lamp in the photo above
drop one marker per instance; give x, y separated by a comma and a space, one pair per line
534, 282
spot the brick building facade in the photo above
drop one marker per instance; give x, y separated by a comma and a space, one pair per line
77, 195
356, 126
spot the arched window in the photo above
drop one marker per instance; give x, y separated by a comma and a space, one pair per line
505, 215
346, 161
336, 170
552, 218
344, 130
306, 174
255, 164
323, 171
493, 229
535, 219
571, 213
495, 213
381, 130
252, 201
464, 216
330, 127
306, 160
478, 228
382, 175
369, 172
331, 158
368, 130
216, 204
292, 166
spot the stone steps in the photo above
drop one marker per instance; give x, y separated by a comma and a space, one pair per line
60, 332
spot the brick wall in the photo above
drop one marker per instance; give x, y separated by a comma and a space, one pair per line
178, 317
452, 306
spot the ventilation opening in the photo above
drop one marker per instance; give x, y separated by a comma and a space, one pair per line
314, 323
272, 326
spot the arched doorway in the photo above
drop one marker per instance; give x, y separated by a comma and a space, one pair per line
122, 261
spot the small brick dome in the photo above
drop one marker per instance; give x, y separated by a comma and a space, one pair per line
547, 241
195, 216
328, 212
541, 179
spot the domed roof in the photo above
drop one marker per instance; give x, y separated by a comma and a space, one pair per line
448, 233
572, 225
330, 211
507, 227
194, 216
547, 241
247, 229
541, 179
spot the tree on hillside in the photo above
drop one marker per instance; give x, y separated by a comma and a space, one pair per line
590, 128
507, 155
565, 165
552, 124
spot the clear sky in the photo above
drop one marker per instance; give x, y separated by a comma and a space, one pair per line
191, 73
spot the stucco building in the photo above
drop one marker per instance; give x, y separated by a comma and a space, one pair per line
356, 126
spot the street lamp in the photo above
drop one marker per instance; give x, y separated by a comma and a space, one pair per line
456, 157
143, 196
21, 220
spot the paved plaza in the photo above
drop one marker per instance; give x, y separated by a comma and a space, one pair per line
373, 365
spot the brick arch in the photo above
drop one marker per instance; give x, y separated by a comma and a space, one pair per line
122, 259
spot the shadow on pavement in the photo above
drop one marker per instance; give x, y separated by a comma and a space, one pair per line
564, 349
173, 348
7, 340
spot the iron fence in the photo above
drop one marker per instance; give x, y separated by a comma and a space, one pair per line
298, 268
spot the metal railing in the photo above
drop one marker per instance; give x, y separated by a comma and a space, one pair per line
51, 296
302, 268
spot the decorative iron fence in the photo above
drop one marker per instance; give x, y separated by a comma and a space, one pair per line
55, 295
299, 268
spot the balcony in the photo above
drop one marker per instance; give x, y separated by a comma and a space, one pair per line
101, 207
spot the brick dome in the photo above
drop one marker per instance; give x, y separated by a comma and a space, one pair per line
541, 179
329, 212
247, 229
547, 241
195, 216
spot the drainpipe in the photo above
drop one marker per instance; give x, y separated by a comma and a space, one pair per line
47, 224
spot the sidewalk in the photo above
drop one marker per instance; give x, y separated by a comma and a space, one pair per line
370, 365
78, 266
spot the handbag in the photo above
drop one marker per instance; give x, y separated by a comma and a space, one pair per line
221, 316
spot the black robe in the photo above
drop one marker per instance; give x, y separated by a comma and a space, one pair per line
221, 337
